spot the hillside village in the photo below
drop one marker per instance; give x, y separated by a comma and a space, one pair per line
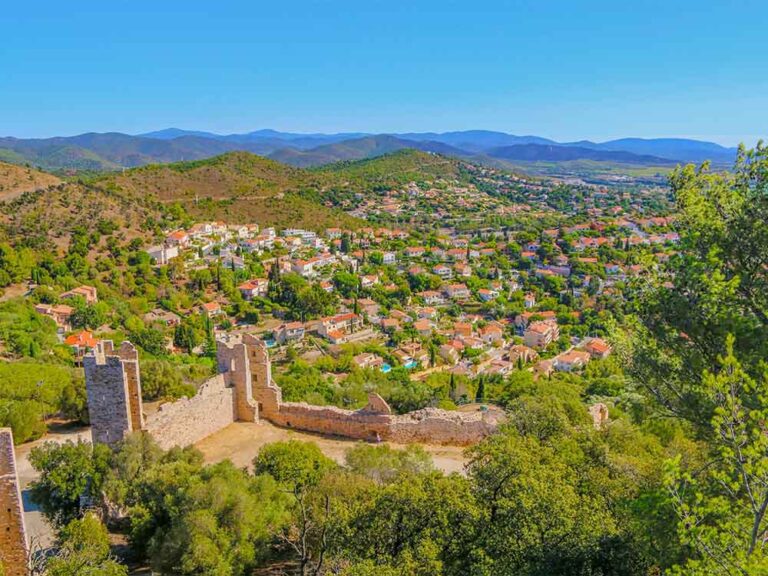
470, 302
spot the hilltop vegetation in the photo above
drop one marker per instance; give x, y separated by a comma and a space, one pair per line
234, 187
395, 169
46, 219
15, 180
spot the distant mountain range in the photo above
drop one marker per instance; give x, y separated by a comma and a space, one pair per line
112, 151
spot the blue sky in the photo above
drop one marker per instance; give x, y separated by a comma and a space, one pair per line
565, 70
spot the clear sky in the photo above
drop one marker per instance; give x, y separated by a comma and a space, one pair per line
562, 69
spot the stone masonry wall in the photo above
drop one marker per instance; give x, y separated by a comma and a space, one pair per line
109, 397
434, 426
246, 359
13, 540
359, 424
189, 420
429, 426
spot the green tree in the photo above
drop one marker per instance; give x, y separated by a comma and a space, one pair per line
84, 550
722, 507
67, 472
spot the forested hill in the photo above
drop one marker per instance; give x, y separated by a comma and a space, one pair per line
235, 187
243, 187
395, 169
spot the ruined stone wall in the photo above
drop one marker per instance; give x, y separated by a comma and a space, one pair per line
244, 391
434, 426
245, 363
359, 424
13, 540
189, 420
428, 426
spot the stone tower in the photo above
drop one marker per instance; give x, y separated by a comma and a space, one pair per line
245, 363
113, 385
13, 539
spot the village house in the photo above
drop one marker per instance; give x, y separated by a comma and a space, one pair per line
368, 307
427, 312
369, 281
87, 293
457, 291
211, 309
431, 297
366, 360
310, 266
410, 354
529, 301
160, 316
522, 320
81, 343
423, 327
178, 238
233, 263
256, 288
499, 367
389, 258
162, 254
571, 361
598, 348
541, 334
521, 354
289, 332
462, 330
61, 314
414, 251
487, 295
462, 270
335, 328
449, 354
389, 325
491, 333
443, 271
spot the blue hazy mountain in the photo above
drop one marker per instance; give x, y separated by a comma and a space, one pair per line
110, 151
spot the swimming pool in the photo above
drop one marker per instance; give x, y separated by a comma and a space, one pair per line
411, 364
385, 368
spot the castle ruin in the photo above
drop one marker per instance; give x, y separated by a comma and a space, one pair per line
243, 390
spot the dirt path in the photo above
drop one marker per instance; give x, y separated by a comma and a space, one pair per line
241, 441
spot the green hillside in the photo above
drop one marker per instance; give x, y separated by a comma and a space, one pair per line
235, 187
395, 169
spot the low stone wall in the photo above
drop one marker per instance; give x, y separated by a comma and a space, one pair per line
361, 424
189, 420
434, 426
429, 426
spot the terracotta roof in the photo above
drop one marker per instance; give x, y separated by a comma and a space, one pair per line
82, 339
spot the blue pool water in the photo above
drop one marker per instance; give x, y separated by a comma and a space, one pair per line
270, 343
411, 364
385, 368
